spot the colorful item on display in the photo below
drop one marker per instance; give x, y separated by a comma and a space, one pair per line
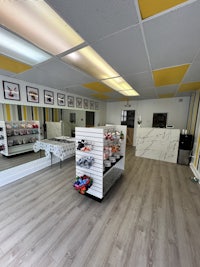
86, 162
84, 146
83, 183
80, 144
112, 135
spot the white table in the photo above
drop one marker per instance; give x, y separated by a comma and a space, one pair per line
63, 149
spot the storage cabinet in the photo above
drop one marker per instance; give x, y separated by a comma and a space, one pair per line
101, 148
18, 136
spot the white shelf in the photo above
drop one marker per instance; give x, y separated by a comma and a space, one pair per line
102, 179
20, 143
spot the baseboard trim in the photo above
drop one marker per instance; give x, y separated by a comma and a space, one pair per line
13, 174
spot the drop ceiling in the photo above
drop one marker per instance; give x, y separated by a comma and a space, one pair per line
154, 47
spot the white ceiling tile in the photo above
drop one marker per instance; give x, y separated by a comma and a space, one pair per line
140, 80
55, 74
79, 90
147, 93
197, 57
173, 38
61, 70
193, 73
124, 51
170, 89
94, 19
39, 77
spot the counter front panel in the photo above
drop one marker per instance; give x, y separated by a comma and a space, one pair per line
158, 143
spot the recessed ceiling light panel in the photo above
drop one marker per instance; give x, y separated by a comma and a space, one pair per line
37, 22
19, 49
89, 61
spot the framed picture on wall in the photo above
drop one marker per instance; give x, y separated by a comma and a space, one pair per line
11, 91
70, 101
91, 104
159, 120
32, 94
79, 103
61, 99
48, 97
85, 104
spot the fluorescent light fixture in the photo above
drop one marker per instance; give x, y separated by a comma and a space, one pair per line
19, 49
90, 62
129, 92
38, 23
121, 86
87, 60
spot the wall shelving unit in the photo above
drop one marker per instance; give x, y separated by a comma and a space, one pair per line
18, 136
103, 178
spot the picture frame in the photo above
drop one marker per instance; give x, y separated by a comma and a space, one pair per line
48, 97
85, 103
70, 101
159, 120
79, 102
32, 94
11, 90
61, 101
97, 105
91, 104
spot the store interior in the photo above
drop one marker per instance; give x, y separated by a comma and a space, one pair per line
69, 119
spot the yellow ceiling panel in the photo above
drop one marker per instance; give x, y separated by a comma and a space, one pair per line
189, 87
149, 8
99, 87
12, 65
173, 75
165, 95
101, 96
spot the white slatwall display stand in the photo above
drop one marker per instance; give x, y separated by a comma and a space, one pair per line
102, 182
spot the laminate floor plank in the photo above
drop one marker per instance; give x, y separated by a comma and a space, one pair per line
150, 217
34, 206
13, 161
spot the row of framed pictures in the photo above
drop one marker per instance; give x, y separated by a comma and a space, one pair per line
12, 92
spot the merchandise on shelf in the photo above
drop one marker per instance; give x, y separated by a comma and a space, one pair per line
83, 183
84, 146
2, 147
86, 162
18, 136
108, 151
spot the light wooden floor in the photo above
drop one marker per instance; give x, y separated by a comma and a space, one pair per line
16, 160
151, 217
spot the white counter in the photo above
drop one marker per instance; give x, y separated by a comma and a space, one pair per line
158, 143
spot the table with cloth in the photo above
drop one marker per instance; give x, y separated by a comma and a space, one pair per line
62, 148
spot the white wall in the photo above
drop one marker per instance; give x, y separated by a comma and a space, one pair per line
177, 109
100, 116
114, 109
